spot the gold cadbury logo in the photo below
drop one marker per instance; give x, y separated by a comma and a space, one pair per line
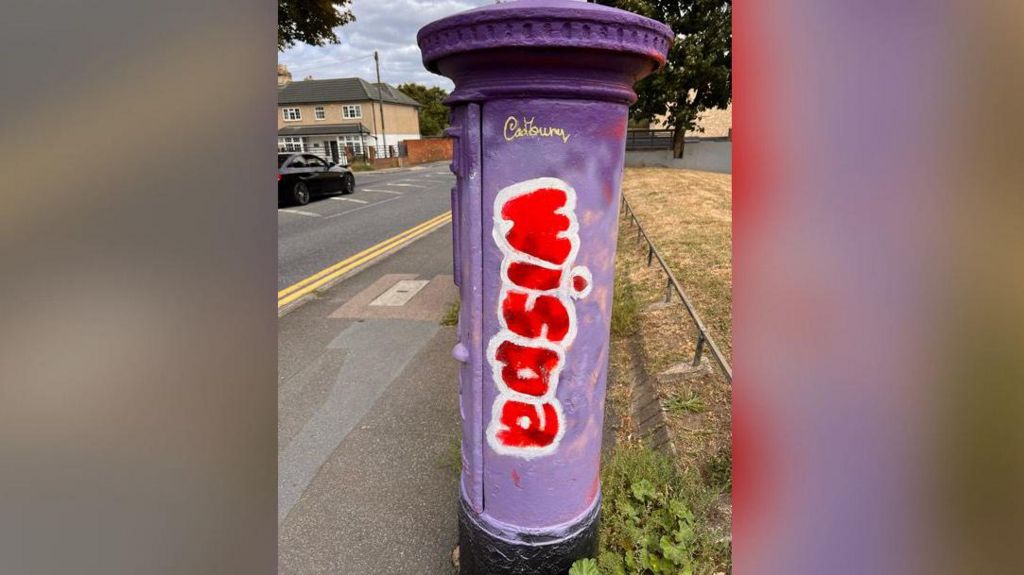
514, 129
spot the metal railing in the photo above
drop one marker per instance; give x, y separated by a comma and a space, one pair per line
649, 139
672, 285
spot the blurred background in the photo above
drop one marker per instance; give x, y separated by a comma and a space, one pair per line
138, 340
878, 305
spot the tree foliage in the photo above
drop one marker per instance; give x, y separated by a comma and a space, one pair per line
698, 74
310, 21
433, 114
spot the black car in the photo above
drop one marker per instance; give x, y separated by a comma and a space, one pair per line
301, 176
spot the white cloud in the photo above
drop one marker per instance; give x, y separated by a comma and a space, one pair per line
388, 26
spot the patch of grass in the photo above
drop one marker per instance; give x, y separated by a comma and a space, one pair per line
452, 458
653, 518
361, 167
691, 403
688, 214
717, 471
451, 317
625, 309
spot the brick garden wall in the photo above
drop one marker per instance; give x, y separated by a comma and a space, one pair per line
428, 150
382, 163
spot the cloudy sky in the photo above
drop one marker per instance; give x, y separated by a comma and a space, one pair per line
388, 26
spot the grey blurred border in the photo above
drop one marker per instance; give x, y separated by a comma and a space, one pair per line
138, 331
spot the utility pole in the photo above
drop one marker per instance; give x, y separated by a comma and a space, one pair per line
380, 101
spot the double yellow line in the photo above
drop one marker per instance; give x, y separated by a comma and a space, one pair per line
326, 275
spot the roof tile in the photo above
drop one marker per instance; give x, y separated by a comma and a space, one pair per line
339, 90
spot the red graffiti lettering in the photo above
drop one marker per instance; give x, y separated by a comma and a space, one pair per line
536, 227
547, 318
528, 424
536, 230
526, 370
532, 276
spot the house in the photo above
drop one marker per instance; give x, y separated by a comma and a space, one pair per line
716, 123
325, 117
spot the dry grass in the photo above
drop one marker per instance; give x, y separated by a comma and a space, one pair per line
688, 216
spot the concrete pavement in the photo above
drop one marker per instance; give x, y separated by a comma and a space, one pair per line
368, 416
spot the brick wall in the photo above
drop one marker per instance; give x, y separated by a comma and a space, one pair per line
428, 150
382, 163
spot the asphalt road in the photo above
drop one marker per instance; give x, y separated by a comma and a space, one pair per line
331, 228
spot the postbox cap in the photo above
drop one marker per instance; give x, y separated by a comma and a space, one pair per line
544, 24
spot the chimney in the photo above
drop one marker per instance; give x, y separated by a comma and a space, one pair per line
283, 75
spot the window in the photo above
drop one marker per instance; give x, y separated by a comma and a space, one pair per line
290, 144
355, 141
319, 113
315, 162
352, 111
291, 114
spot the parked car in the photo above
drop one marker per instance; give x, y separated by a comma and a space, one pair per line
301, 176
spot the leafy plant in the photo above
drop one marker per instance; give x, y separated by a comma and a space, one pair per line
584, 567
650, 520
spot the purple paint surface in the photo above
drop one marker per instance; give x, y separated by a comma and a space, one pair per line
568, 66
559, 487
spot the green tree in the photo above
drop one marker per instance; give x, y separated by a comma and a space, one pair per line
310, 21
433, 113
698, 74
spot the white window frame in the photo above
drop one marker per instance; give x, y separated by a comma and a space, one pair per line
319, 113
289, 117
355, 141
291, 144
352, 111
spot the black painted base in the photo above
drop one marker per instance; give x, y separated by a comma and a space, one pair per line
484, 552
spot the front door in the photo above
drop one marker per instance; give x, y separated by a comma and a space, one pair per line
334, 151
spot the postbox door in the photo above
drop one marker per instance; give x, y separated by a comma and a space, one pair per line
467, 234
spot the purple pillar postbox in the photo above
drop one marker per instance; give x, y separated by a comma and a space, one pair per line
538, 115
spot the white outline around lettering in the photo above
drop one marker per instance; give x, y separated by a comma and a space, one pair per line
565, 293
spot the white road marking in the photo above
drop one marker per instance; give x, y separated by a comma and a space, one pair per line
302, 213
400, 293
381, 191
349, 200
362, 207
406, 185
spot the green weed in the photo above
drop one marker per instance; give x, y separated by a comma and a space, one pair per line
690, 402
451, 317
651, 520
625, 309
